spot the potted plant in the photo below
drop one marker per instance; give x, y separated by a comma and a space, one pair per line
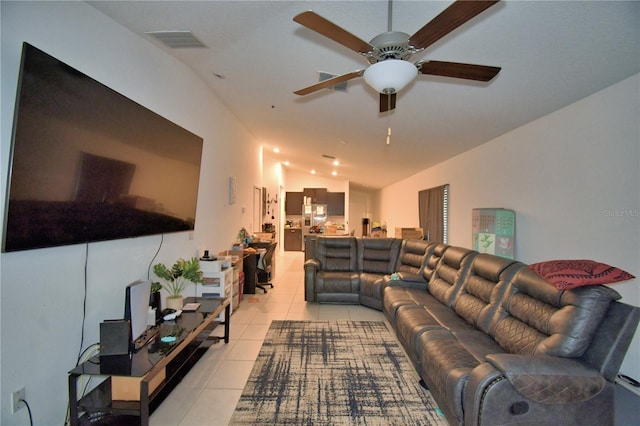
178, 278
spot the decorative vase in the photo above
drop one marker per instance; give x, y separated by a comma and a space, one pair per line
175, 302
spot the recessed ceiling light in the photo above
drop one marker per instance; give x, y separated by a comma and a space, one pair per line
286, 163
334, 173
276, 150
313, 172
336, 163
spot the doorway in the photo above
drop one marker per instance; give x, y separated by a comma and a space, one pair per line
257, 210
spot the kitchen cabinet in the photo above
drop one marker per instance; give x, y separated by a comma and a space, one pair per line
293, 239
293, 203
318, 195
335, 203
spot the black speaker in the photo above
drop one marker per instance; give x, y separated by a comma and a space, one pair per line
115, 337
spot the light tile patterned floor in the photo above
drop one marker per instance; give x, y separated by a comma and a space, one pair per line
209, 393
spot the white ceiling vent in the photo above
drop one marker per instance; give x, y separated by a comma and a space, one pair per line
177, 39
340, 87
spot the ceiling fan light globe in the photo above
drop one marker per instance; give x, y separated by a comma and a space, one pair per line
390, 76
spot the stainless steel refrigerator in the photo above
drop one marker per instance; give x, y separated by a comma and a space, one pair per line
314, 214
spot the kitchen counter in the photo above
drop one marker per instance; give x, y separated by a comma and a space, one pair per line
293, 239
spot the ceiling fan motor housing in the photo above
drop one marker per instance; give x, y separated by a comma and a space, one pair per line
390, 45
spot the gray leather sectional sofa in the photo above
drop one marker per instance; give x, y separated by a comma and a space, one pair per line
495, 343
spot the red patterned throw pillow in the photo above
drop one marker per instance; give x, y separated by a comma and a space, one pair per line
568, 274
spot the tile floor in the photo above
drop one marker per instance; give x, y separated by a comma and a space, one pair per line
209, 393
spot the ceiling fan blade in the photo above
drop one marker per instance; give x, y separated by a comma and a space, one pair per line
328, 29
387, 102
448, 20
457, 70
329, 82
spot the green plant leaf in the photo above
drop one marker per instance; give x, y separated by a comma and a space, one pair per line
182, 274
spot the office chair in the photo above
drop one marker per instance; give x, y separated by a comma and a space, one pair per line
264, 269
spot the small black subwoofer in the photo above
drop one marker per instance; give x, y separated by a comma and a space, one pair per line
115, 337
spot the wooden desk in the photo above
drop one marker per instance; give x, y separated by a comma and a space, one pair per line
250, 268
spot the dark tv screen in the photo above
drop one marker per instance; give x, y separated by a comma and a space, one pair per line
89, 164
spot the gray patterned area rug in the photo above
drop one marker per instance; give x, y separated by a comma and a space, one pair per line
330, 373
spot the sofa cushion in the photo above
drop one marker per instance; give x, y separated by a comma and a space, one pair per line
337, 282
371, 286
378, 255
537, 319
415, 320
412, 321
433, 259
337, 254
483, 287
394, 297
477, 343
445, 366
450, 273
568, 274
412, 256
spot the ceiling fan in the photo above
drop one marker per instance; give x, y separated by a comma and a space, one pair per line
388, 53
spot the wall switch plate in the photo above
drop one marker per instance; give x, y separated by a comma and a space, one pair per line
17, 400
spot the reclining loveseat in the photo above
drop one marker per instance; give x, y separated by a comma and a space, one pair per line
351, 270
493, 341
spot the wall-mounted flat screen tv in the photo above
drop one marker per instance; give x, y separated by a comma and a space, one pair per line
89, 164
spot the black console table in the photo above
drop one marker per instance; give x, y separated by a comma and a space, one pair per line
137, 383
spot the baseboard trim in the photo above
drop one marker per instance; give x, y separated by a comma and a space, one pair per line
627, 386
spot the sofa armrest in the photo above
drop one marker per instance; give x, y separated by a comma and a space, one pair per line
406, 279
311, 268
490, 398
551, 380
311, 263
411, 278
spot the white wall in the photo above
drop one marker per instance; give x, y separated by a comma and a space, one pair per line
273, 180
297, 181
42, 290
363, 204
573, 178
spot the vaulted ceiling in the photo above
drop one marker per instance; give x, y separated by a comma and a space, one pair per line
552, 53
